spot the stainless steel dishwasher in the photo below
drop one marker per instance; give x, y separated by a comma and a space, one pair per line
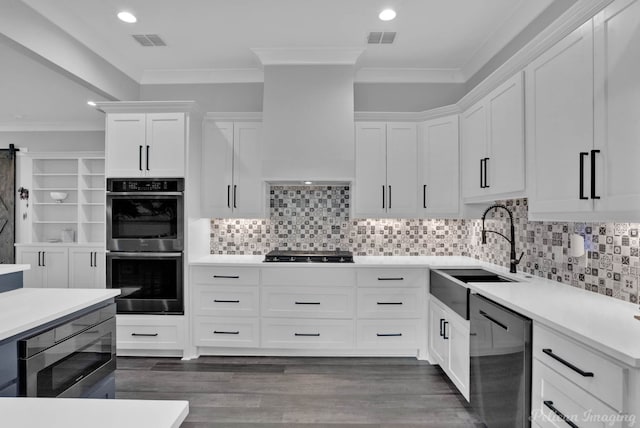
500, 349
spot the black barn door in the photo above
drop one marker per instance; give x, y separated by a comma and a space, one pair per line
7, 205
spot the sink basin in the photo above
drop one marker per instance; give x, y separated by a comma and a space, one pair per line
475, 275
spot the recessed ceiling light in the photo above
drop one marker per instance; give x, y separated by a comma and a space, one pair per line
387, 15
91, 103
127, 17
308, 182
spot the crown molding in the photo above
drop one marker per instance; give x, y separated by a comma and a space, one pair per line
234, 116
408, 75
308, 56
50, 126
421, 116
572, 18
147, 106
222, 75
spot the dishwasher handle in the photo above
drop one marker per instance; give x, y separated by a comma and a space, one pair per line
493, 320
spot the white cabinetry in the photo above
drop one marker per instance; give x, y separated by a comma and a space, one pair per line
439, 167
232, 184
582, 137
386, 183
137, 335
87, 267
145, 144
449, 344
493, 144
49, 266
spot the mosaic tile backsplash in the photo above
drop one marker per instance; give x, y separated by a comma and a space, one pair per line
317, 218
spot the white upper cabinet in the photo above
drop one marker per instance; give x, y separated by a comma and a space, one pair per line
232, 184
386, 183
493, 144
145, 144
617, 103
439, 171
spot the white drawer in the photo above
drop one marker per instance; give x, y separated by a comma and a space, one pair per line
390, 277
307, 334
227, 301
319, 275
230, 332
308, 302
549, 390
607, 379
388, 334
225, 275
150, 332
390, 302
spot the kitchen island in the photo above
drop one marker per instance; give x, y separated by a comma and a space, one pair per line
11, 276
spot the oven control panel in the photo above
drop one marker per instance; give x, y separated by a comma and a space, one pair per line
145, 185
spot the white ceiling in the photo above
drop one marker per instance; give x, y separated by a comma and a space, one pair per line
455, 36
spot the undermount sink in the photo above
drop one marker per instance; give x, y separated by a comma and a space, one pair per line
475, 275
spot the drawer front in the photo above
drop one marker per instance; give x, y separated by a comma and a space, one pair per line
307, 334
231, 332
607, 379
390, 302
225, 275
227, 301
149, 335
553, 394
312, 302
309, 275
388, 334
368, 277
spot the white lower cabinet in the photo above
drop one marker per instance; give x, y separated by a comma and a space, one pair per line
449, 344
301, 333
388, 334
138, 334
227, 331
87, 267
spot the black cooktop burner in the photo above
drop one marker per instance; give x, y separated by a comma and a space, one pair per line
278, 256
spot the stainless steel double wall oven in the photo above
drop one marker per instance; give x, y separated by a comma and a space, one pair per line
145, 244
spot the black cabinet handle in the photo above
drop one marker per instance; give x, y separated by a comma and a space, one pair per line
95, 259
306, 334
561, 360
147, 158
39, 263
400, 278
228, 195
227, 276
44, 261
486, 167
389, 196
91, 259
493, 320
444, 330
383, 196
235, 196
225, 332
551, 407
582, 156
441, 327
140, 158
593, 174
424, 196
307, 303
389, 303
388, 334
145, 334
225, 301
481, 175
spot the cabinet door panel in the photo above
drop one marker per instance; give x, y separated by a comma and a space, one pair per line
402, 170
125, 141
81, 271
474, 147
166, 141
437, 349
560, 123
248, 192
458, 357
617, 102
56, 262
31, 278
217, 168
371, 165
439, 168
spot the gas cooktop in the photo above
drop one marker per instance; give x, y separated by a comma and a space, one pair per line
279, 256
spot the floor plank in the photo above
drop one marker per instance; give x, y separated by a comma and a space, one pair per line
269, 392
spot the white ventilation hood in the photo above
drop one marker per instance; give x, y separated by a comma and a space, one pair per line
308, 126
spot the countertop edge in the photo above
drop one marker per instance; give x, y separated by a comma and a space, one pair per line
11, 268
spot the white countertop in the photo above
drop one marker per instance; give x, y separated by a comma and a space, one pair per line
91, 413
5, 268
26, 308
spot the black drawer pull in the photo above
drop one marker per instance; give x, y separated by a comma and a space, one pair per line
550, 353
581, 182
391, 279
307, 303
493, 320
389, 303
226, 276
145, 334
551, 407
441, 327
444, 330
225, 332
388, 334
226, 301
593, 174
306, 334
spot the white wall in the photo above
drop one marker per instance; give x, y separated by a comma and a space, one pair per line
54, 141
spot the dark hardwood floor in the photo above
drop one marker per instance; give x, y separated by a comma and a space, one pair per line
252, 392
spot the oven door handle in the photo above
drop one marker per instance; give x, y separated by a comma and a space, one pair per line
142, 254
145, 193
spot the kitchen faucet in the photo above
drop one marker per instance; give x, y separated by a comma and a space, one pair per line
513, 262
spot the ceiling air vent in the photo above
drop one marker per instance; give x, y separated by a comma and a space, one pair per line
149, 40
379, 37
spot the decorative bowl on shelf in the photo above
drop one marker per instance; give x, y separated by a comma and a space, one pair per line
58, 196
